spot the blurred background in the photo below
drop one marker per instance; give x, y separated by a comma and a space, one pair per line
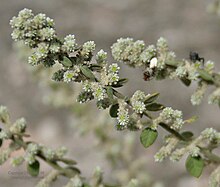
185, 24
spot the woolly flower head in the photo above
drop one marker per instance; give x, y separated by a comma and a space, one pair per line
70, 75
69, 44
33, 148
101, 56
214, 97
87, 48
197, 97
32, 29
75, 182
19, 126
4, 114
162, 44
210, 133
171, 117
113, 76
128, 51
98, 91
47, 33
123, 115
148, 54
166, 150
137, 102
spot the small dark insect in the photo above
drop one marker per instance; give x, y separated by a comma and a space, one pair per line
194, 56
149, 74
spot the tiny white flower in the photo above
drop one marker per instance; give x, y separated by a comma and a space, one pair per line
153, 62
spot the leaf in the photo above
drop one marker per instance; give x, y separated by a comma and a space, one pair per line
172, 63
87, 72
187, 135
205, 75
67, 62
33, 169
120, 83
154, 107
114, 111
151, 98
194, 165
109, 92
148, 137
185, 81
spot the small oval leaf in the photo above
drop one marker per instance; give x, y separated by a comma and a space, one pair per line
194, 165
114, 111
33, 169
148, 137
154, 107
120, 83
205, 75
151, 98
187, 135
109, 92
67, 62
87, 72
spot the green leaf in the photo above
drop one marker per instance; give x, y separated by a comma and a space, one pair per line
87, 72
172, 63
154, 107
205, 75
67, 62
33, 169
187, 135
109, 92
151, 98
185, 81
148, 137
194, 165
114, 111
120, 83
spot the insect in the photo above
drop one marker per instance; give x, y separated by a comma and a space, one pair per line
150, 71
194, 56
149, 74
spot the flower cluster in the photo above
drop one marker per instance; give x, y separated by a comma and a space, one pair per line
123, 115
165, 151
69, 44
173, 118
197, 97
137, 102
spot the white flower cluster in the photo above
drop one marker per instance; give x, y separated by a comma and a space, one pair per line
123, 115
113, 72
4, 115
198, 95
101, 57
173, 118
148, 54
88, 48
19, 126
211, 134
128, 51
137, 102
69, 44
32, 29
96, 89
71, 75
166, 150
214, 97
